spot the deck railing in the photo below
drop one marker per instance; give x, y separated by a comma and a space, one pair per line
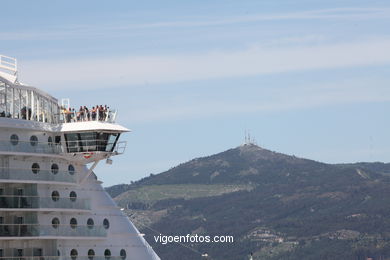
93, 145
30, 147
78, 257
38, 175
35, 202
67, 116
78, 146
36, 230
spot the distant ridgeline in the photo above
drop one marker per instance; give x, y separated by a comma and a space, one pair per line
276, 206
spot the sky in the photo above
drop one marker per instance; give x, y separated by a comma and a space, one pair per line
189, 78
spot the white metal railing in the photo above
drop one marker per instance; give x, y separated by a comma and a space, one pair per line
8, 63
36, 202
78, 257
68, 116
96, 145
78, 146
23, 174
30, 147
37, 230
120, 147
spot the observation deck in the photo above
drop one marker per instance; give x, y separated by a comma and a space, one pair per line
19, 101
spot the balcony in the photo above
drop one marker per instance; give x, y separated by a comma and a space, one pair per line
34, 202
62, 258
30, 147
14, 174
41, 231
72, 116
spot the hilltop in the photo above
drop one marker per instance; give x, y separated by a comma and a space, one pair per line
275, 205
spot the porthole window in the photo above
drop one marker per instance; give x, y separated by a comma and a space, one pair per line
55, 195
71, 169
14, 139
74, 254
54, 168
73, 223
107, 253
55, 222
123, 254
106, 223
90, 223
91, 254
73, 196
35, 168
33, 140
50, 141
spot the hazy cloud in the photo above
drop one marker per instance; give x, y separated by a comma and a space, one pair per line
139, 70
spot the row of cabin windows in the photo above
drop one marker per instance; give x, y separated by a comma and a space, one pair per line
14, 139
91, 254
55, 222
73, 253
35, 168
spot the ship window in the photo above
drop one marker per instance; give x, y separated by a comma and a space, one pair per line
50, 141
55, 222
107, 253
35, 168
33, 140
106, 223
91, 142
54, 168
71, 169
58, 253
14, 139
73, 223
73, 254
90, 223
55, 195
91, 254
73, 196
123, 254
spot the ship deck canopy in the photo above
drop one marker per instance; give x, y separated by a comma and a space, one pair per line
23, 102
19, 101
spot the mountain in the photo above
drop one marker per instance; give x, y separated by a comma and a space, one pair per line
274, 205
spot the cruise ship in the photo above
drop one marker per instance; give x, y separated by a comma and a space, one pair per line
52, 205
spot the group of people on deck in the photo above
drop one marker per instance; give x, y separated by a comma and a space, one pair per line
84, 114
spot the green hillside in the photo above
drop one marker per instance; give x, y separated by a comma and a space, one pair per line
276, 206
147, 196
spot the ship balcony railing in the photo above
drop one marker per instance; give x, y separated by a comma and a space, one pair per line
90, 257
17, 174
67, 116
92, 146
35, 202
36, 230
30, 147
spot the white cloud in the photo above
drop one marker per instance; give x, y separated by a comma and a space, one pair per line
138, 70
262, 100
88, 31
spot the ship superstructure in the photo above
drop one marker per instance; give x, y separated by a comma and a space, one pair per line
52, 206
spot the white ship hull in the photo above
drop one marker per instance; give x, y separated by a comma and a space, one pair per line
52, 206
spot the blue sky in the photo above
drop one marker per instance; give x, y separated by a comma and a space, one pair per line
309, 78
